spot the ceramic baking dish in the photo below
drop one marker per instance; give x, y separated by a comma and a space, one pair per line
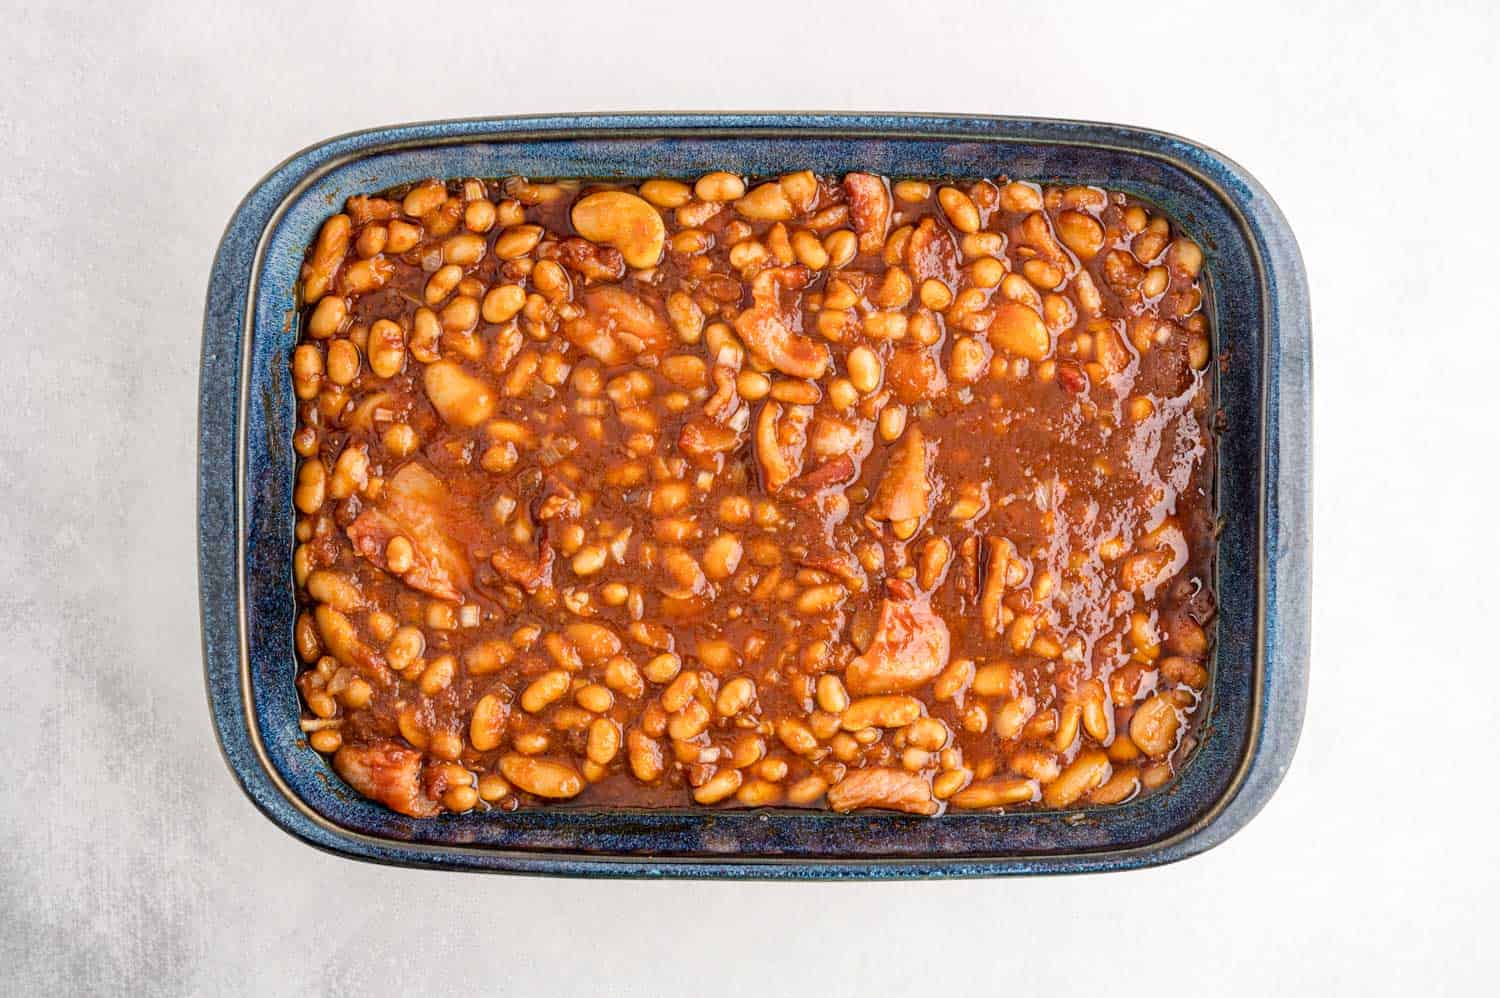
1258, 300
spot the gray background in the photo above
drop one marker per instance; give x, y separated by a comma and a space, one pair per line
130, 863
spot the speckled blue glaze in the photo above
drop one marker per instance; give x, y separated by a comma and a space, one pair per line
245, 475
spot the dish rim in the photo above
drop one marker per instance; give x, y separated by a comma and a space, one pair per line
1285, 464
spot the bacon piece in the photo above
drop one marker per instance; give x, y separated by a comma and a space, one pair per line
870, 206
1162, 553
904, 491
414, 505
387, 773
343, 642
840, 564
530, 573
705, 442
1071, 378
883, 787
363, 209
774, 332
326, 257
780, 439
1000, 551
915, 375
590, 261
930, 253
834, 472
908, 650
831, 436
725, 401
617, 326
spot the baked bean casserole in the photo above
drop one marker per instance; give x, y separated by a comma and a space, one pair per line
814, 491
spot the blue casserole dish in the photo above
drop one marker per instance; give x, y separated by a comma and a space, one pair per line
1259, 305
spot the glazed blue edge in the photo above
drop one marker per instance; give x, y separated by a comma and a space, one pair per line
1260, 299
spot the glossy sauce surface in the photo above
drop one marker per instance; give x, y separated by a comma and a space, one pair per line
841, 492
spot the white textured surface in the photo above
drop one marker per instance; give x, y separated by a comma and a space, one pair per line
130, 863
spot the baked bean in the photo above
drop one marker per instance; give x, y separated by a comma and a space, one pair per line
911, 191
759, 793
386, 348
624, 221
515, 241
840, 245
719, 787
1185, 257
934, 295
325, 740
719, 186
1018, 329
1081, 233
311, 487
334, 589
464, 249
1013, 716
995, 793
736, 695
1084, 774
722, 557
959, 208
307, 370
865, 371
325, 257
831, 694
544, 691
487, 723
328, 318
1036, 764
603, 741
1154, 725
950, 782
892, 711
954, 679
645, 757
663, 668
541, 777
666, 193
807, 790
424, 198
343, 362
796, 736
1122, 785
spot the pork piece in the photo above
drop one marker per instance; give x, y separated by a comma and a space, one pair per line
388, 773
775, 332
908, 650
415, 505
869, 208
617, 326
904, 490
890, 789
